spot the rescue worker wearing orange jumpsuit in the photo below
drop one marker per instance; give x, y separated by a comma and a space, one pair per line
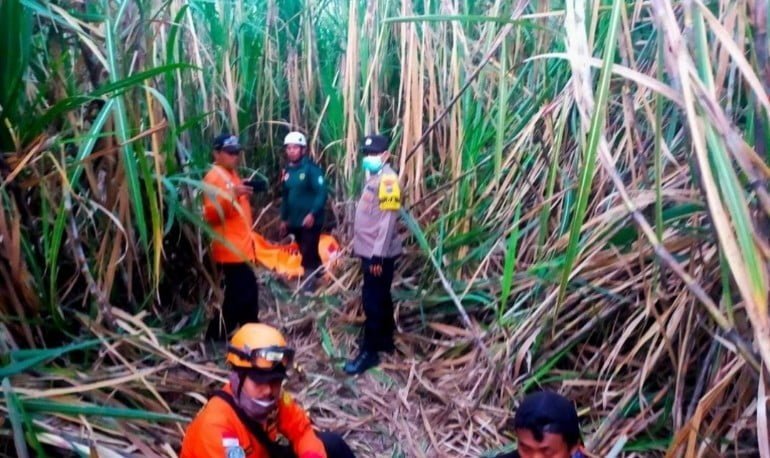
227, 210
376, 242
246, 418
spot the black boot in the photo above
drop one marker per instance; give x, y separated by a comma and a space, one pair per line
364, 361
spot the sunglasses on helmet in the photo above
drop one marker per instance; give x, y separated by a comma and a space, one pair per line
265, 358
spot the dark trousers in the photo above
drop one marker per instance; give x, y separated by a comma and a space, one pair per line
241, 304
378, 306
307, 239
335, 446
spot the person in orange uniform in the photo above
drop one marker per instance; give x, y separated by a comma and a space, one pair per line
227, 210
246, 418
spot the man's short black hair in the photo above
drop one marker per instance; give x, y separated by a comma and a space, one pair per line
548, 412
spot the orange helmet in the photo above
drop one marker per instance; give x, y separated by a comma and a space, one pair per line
259, 347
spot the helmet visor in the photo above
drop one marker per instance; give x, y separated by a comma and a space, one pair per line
265, 358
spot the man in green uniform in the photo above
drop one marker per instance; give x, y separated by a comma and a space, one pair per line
376, 242
302, 207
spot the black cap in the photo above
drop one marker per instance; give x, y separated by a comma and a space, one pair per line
227, 142
548, 412
375, 144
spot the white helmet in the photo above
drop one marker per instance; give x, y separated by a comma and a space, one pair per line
295, 138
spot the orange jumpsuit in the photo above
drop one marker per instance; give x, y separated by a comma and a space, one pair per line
228, 217
217, 431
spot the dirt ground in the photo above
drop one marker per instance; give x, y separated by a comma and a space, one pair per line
417, 403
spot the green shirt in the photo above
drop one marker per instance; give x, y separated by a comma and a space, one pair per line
304, 191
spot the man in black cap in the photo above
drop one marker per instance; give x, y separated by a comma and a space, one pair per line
226, 208
546, 425
376, 242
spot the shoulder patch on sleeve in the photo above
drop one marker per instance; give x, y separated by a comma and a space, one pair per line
235, 452
389, 193
232, 446
230, 442
286, 399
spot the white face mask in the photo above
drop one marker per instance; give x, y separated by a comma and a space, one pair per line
267, 405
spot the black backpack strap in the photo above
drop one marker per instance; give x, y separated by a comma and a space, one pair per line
273, 449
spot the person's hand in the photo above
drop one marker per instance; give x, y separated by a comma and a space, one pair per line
243, 190
308, 221
375, 267
283, 229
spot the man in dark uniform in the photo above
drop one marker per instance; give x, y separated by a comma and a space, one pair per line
302, 207
376, 242
546, 425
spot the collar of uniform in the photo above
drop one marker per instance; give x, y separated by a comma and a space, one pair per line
224, 170
300, 163
376, 176
231, 176
385, 169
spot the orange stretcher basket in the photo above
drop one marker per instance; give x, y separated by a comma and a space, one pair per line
285, 260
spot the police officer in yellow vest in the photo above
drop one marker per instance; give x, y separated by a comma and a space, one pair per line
376, 242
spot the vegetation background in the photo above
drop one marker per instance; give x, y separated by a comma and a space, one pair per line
587, 210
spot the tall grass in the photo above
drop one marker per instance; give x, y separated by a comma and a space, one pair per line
586, 190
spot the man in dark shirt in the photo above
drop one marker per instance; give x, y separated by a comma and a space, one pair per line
302, 207
546, 425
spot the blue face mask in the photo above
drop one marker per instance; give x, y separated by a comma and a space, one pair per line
372, 164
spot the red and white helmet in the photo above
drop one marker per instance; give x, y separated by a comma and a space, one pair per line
295, 138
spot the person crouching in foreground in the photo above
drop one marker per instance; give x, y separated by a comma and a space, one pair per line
245, 418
